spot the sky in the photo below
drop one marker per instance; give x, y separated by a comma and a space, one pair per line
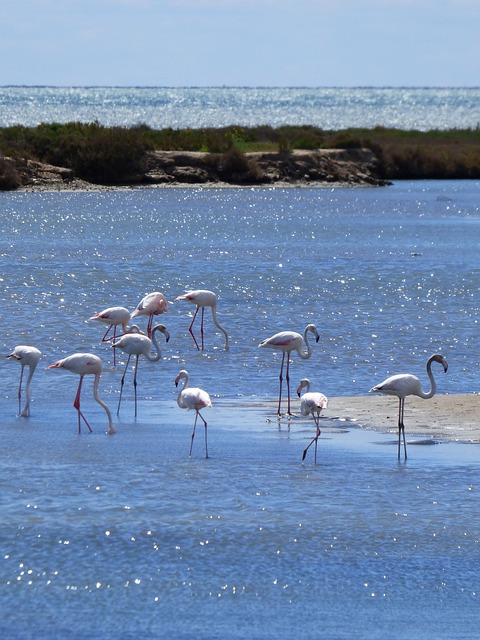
281, 43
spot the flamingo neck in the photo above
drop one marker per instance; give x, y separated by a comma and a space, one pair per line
433, 385
179, 398
305, 355
154, 357
215, 320
111, 428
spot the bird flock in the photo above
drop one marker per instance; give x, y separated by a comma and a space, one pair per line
134, 342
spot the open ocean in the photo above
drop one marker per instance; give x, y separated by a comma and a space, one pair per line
125, 536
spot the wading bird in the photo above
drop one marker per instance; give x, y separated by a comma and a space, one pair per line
193, 398
138, 344
286, 342
151, 305
404, 384
114, 317
27, 357
203, 298
312, 402
85, 364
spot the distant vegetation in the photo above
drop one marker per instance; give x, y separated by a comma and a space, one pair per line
113, 155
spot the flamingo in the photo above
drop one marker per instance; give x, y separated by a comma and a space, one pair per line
404, 384
113, 317
27, 357
85, 364
286, 342
311, 403
193, 398
138, 344
203, 298
151, 305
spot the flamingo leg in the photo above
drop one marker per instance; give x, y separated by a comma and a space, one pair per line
76, 404
114, 348
280, 391
149, 326
317, 419
193, 433
135, 384
20, 391
191, 328
288, 385
105, 338
26, 409
201, 327
401, 427
121, 384
205, 425
314, 440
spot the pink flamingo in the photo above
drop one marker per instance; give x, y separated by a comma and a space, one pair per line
138, 344
203, 298
404, 384
113, 317
193, 398
151, 305
286, 342
312, 402
85, 364
27, 357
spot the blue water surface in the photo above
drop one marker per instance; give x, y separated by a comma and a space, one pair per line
125, 535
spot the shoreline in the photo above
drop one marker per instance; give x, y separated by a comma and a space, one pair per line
298, 168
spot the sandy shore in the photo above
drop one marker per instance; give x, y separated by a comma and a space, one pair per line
454, 418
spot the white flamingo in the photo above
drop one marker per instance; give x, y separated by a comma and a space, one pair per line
85, 364
151, 305
203, 298
286, 342
193, 398
404, 384
138, 344
311, 403
27, 357
114, 317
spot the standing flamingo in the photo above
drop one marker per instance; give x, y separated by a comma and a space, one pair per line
113, 317
151, 305
85, 364
312, 402
404, 384
27, 357
138, 344
193, 398
286, 342
203, 298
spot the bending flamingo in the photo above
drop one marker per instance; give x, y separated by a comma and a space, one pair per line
113, 317
151, 305
203, 298
404, 384
286, 342
27, 357
85, 364
138, 344
193, 398
312, 402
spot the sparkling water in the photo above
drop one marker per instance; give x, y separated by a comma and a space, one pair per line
125, 536
161, 107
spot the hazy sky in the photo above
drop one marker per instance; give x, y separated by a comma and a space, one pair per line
240, 42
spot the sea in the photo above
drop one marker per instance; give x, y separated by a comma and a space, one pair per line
125, 536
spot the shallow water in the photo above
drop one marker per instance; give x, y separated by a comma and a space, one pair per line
125, 535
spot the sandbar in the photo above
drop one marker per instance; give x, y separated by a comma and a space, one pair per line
453, 418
